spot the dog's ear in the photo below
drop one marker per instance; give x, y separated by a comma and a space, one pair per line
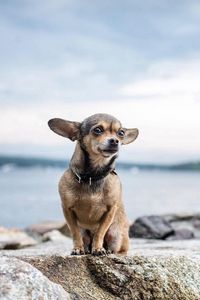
65, 128
130, 135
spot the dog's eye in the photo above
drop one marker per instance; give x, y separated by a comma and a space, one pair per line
121, 133
98, 130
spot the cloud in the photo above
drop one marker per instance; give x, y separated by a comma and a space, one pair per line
167, 79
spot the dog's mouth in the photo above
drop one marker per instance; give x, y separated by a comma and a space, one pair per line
109, 151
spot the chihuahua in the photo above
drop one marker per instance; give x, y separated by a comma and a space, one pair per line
90, 189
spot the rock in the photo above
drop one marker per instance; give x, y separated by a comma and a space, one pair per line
185, 222
15, 239
171, 227
181, 234
49, 248
42, 228
53, 236
154, 270
20, 280
147, 277
181, 217
65, 230
151, 227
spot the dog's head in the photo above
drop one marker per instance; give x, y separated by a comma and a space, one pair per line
99, 134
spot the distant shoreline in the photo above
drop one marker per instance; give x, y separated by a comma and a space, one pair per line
28, 162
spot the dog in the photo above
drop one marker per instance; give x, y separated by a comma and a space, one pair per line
90, 189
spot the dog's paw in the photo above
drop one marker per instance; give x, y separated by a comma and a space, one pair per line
77, 251
99, 252
109, 251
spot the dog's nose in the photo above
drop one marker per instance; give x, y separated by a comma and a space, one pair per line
113, 142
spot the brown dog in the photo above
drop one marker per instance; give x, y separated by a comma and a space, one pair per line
90, 189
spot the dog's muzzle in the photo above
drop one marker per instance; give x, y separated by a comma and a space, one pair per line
112, 146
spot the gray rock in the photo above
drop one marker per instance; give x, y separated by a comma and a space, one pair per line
181, 217
46, 226
154, 270
151, 227
53, 235
181, 234
15, 238
50, 248
21, 281
39, 230
185, 222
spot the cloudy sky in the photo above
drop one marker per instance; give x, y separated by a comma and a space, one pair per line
138, 60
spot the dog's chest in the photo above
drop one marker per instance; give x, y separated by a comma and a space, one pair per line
89, 207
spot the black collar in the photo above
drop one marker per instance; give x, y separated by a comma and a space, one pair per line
89, 179
90, 175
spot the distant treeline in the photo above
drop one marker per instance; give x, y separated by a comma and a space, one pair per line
31, 162
17, 161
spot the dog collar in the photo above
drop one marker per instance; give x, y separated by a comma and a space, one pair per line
90, 175
86, 178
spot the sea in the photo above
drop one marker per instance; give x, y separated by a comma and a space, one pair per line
29, 195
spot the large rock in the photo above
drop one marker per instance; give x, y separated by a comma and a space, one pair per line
184, 225
154, 270
151, 227
173, 227
181, 234
20, 280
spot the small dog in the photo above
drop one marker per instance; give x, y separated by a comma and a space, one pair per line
90, 189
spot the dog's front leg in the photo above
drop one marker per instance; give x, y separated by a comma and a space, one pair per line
75, 230
97, 244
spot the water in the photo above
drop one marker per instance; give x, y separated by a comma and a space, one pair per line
30, 195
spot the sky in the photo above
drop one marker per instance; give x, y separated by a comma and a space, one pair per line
137, 60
